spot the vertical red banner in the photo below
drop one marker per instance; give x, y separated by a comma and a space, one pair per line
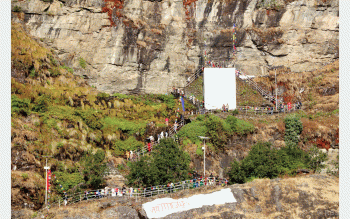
48, 179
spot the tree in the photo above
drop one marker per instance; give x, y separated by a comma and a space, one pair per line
317, 159
236, 174
294, 127
216, 130
167, 163
94, 168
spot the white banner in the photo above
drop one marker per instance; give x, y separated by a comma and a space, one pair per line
219, 88
165, 206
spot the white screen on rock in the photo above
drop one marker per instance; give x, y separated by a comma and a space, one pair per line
219, 88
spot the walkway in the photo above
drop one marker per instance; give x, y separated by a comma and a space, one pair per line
137, 193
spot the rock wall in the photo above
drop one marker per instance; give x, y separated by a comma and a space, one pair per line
140, 46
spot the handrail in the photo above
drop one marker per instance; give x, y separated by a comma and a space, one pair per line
139, 192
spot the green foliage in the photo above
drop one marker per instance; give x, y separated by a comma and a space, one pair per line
54, 72
199, 150
168, 164
192, 131
42, 103
82, 63
33, 73
317, 159
17, 8
90, 117
232, 122
61, 113
20, 106
244, 127
216, 130
68, 180
238, 126
94, 168
130, 144
70, 70
126, 126
102, 95
169, 100
235, 112
263, 161
236, 173
294, 127
24, 176
122, 96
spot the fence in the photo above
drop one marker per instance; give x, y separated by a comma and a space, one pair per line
137, 193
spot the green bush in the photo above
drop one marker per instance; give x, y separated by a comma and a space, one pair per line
94, 167
70, 70
68, 180
317, 159
238, 126
20, 106
169, 100
82, 63
24, 176
263, 161
90, 117
17, 8
33, 73
129, 127
168, 164
232, 122
294, 127
235, 112
216, 130
54, 72
130, 144
192, 131
244, 127
42, 103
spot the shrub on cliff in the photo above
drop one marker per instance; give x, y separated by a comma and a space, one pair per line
294, 127
168, 163
263, 161
20, 106
130, 144
192, 131
217, 130
239, 126
90, 117
94, 167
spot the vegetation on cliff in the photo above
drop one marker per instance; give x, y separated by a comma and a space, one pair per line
168, 163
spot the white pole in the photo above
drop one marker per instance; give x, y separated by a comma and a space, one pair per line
276, 87
204, 159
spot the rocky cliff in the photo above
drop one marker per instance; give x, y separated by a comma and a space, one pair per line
144, 46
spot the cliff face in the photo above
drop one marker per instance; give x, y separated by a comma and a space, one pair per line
136, 46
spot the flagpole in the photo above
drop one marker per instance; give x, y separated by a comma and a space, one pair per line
46, 168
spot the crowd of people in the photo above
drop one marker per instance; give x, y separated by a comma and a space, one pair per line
170, 187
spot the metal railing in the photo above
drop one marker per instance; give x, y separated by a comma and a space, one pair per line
137, 193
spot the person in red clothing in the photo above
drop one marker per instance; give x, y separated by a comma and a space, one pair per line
166, 121
149, 146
